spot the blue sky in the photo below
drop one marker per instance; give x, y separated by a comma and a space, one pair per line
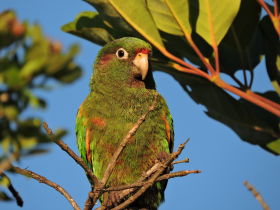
224, 159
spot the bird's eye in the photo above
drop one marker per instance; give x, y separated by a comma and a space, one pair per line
122, 54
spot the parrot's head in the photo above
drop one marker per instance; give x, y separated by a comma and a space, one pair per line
124, 62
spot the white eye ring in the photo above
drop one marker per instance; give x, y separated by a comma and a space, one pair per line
122, 54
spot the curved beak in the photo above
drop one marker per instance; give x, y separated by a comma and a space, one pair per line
142, 63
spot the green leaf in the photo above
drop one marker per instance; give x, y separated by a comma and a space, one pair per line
170, 16
272, 52
243, 43
214, 18
253, 124
27, 142
138, 16
4, 196
33, 100
90, 26
274, 146
58, 62
4, 181
32, 66
233, 25
111, 16
10, 74
69, 74
10, 112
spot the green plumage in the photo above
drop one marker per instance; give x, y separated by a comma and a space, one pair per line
117, 99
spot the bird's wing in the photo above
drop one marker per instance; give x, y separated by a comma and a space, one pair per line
168, 124
81, 133
169, 129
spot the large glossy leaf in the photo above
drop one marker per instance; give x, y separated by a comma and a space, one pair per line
253, 124
138, 16
214, 18
110, 15
174, 21
272, 52
243, 43
171, 16
90, 26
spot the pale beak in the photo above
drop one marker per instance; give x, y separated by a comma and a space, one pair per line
142, 64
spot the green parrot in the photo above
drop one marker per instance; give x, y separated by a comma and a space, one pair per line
121, 90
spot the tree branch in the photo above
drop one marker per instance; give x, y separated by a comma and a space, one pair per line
140, 184
152, 180
257, 195
44, 180
93, 179
186, 160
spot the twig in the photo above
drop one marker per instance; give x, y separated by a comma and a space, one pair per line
89, 202
93, 179
140, 184
257, 195
44, 180
153, 178
128, 190
274, 17
181, 161
119, 150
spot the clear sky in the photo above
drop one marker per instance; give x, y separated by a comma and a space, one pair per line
224, 159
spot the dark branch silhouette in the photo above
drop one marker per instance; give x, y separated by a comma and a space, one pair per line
13, 190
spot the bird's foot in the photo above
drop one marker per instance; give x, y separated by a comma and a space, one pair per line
113, 199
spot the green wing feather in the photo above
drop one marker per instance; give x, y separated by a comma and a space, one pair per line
81, 134
170, 122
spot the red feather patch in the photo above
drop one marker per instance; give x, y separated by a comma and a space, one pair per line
143, 50
98, 122
105, 58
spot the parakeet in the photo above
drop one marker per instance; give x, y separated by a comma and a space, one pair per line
122, 89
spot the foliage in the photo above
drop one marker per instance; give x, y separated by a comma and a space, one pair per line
218, 39
29, 61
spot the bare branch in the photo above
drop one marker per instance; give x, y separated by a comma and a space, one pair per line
153, 178
44, 180
257, 195
140, 184
93, 179
181, 161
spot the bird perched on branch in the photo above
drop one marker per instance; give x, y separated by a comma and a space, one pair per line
122, 89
